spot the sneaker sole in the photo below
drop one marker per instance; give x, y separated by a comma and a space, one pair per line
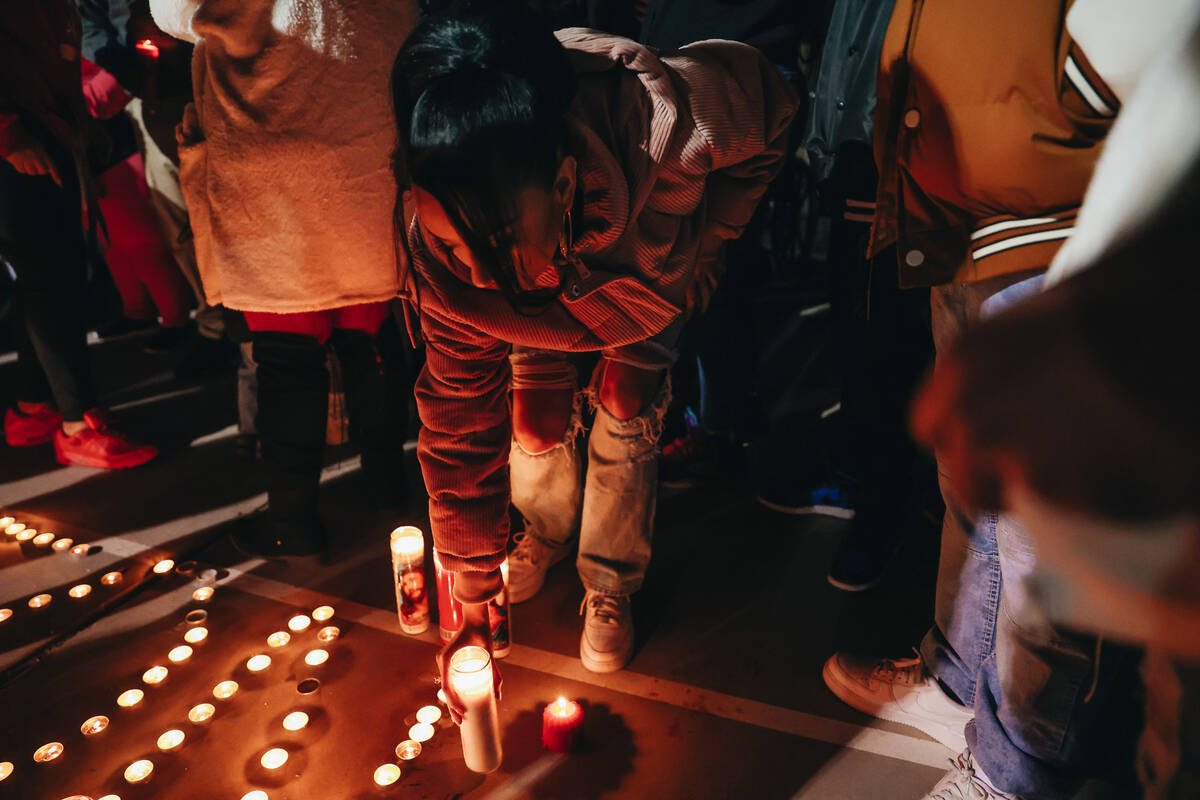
124, 463
948, 734
853, 587
595, 662
820, 510
19, 441
521, 593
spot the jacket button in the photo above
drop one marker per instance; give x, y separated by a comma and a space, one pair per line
573, 291
914, 258
912, 118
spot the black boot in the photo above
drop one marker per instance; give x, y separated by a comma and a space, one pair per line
378, 409
293, 394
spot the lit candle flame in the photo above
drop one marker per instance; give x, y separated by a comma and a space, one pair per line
387, 774
274, 758
258, 663
130, 698
299, 623
139, 770
170, 740
164, 566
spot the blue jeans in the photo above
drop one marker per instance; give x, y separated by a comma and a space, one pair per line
1050, 705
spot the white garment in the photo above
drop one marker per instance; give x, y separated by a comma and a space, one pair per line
1156, 135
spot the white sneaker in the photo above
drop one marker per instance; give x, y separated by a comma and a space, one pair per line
527, 565
966, 781
607, 641
900, 691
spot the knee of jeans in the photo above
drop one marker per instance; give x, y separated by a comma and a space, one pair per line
645, 426
535, 438
627, 392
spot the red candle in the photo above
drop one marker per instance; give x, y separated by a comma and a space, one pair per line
561, 723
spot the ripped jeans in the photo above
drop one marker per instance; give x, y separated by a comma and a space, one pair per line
610, 502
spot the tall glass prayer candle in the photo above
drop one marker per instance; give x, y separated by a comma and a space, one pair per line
408, 570
471, 678
450, 611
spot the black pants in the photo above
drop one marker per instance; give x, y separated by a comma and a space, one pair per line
42, 239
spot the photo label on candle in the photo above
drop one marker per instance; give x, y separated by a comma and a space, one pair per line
279, 639
94, 725
139, 770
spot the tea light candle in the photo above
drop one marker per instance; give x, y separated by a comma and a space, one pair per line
5, 613
130, 698
201, 713
408, 570
258, 663
40, 601
80, 550
328, 634
139, 771
164, 566
196, 635
225, 690
316, 657
27, 534
48, 752
43, 539
421, 732
110, 797
562, 721
170, 740
6, 769
429, 714
179, 654
5, 522
295, 721
155, 675
279, 638
471, 677
94, 725
195, 616
308, 686
203, 594
257, 794
274, 758
62, 544
112, 578
322, 613
408, 750
81, 590
387, 774
13, 528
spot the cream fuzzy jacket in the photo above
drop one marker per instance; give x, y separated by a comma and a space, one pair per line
284, 156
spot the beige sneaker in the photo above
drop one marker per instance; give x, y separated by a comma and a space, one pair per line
607, 641
900, 690
966, 781
527, 566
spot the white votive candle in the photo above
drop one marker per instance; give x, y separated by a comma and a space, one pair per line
471, 678
299, 623
387, 774
139, 771
274, 758
171, 740
154, 675
258, 663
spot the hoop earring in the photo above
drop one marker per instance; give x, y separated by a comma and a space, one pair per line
566, 239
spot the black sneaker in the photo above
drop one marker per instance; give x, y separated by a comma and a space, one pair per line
790, 498
167, 340
860, 563
123, 328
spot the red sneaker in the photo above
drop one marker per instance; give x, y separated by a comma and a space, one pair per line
24, 430
97, 445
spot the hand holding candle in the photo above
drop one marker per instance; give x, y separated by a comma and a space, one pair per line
475, 632
562, 721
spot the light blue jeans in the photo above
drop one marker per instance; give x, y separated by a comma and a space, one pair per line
1051, 706
611, 504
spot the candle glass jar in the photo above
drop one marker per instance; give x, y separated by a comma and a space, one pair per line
471, 677
408, 571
